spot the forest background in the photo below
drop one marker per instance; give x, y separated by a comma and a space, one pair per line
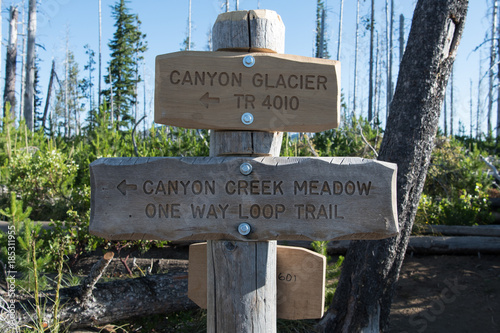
44, 166
66, 26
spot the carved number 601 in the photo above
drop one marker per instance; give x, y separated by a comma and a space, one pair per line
287, 277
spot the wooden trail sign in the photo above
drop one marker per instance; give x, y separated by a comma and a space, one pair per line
247, 91
300, 281
208, 198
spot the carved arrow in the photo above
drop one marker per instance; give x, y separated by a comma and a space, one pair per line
206, 100
123, 187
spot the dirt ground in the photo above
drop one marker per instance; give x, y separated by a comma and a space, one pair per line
448, 294
435, 294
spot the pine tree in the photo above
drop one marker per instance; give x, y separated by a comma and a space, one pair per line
126, 47
321, 39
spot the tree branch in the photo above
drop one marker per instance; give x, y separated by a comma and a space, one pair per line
95, 274
492, 167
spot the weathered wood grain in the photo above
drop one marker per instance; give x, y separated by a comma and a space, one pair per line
208, 197
245, 143
300, 280
254, 30
261, 310
214, 89
243, 300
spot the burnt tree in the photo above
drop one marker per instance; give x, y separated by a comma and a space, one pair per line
366, 287
9, 94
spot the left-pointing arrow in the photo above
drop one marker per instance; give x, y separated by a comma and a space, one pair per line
123, 187
206, 100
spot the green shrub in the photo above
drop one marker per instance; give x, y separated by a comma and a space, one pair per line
44, 179
456, 187
461, 209
353, 138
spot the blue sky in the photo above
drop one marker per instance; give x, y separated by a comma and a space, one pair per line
165, 23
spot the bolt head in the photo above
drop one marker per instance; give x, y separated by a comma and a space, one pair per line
248, 61
244, 229
246, 168
247, 118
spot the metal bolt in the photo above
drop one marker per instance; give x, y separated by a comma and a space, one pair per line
244, 229
246, 168
248, 61
247, 118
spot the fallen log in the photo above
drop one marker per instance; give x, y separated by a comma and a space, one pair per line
114, 301
454, 245
458, 230
426, 245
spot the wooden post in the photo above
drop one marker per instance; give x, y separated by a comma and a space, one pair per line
241, 276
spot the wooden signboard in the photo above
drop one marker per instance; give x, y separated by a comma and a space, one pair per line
300, 281
247, 91
202, 198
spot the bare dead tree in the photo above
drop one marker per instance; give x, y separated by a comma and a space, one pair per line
29, 89
445, 115
9, 95
471, 112
491, 74
401, 36
452, 110
389, 45
370, 80
100, 52
49, 92
341, 14
355, 88
479, 90
498, 85
23, 62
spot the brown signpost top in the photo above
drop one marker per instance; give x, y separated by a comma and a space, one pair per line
247, 91
201, 198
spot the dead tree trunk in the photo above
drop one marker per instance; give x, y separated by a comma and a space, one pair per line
49, 92
100, 65
9, 94
452, 108
401, 37
341, 14
370, 87
355, 88
116, 300
29, 90
363, 298
498, 85
491, 74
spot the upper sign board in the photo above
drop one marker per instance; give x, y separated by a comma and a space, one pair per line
247, 91
202, 198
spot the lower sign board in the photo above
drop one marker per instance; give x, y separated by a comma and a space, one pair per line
300, 281
279, 198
